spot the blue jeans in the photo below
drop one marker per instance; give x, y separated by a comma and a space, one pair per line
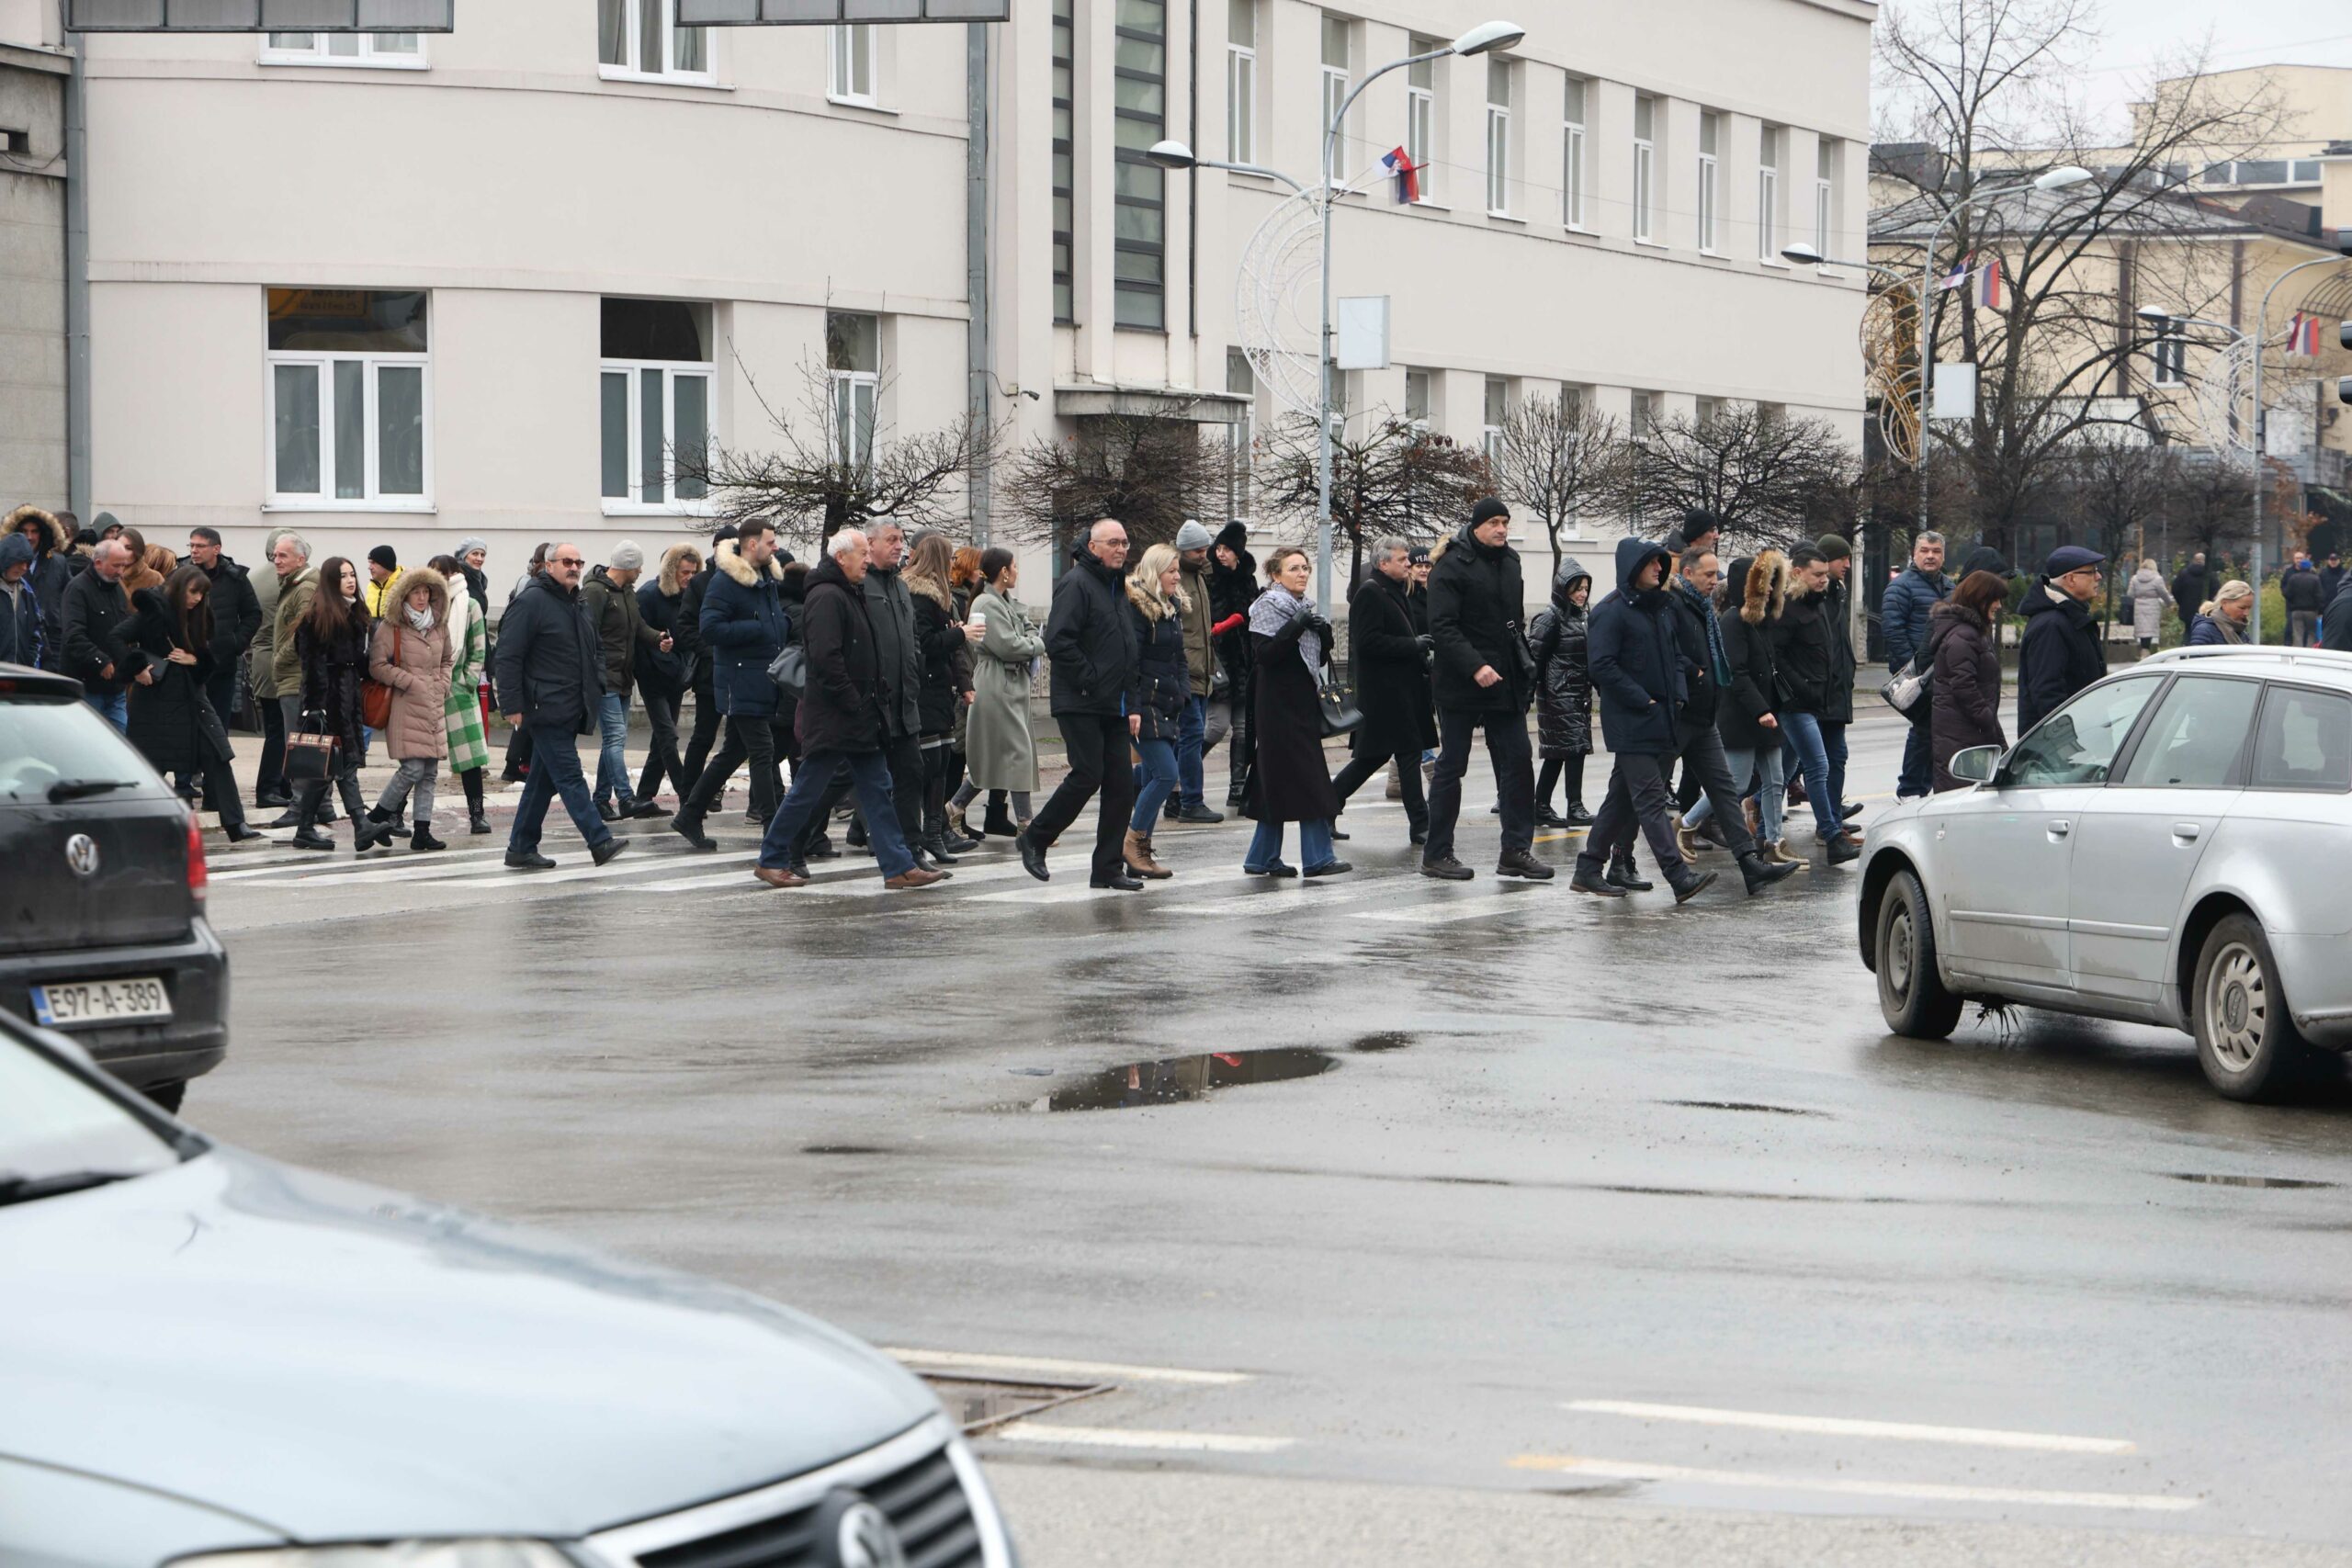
117, 707
1760, 764
870, 774
1266, 847
555, 771
1804, 730
612, 761
1190, 742
1155, 779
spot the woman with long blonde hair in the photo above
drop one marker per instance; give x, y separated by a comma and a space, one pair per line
1163, 687
947, 684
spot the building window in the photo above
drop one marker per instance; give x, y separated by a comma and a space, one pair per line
1241, 434
1336, 55
1644, 167
1498, 73
1495, 410
641, 39
1767, 195
2170, 351
1706, 412
1139, 81
1771, 416
1572, 156
1065, 160
402, 52
1825, 195
1417, 399
852, 73
1710, 176
1647, 412
1420, 117
1242, 81
852, 383
349, 413
653, 386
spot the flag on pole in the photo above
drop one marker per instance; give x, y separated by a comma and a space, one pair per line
2302, 336
1988, 285
1409, 177
1958, 276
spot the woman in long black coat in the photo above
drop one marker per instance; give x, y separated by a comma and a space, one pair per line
331, 644
1389, 661
1289, 644
1964, 673
172, 721
1563, 695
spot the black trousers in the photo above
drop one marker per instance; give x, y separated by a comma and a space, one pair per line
705, 736
1098, 761
1637, 795
270, 779
1408, 782
748, 740
1555, 769
1706, 771
1514, 764
662, 756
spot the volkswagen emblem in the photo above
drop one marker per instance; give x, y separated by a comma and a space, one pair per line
852, 1533
81, 854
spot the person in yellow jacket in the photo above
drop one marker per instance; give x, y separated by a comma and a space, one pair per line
383, 580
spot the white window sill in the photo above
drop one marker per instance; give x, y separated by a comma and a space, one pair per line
647, 509
1651, 245
1428, 204
1707, 254
659, 79
346, 63
1505, 218
1775, 263
1581, 232
316, 504
871, 105
2167, 386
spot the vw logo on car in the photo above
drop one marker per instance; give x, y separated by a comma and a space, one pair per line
852, 1533
82, 855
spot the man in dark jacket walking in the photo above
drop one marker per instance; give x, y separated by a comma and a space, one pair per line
1902, 618
742, 625
22, 636
2060, 653
2306, 597
98, 626
1485, 679
551, 682
2191, 588
2335, 628
1389, 661
609, 598
897, 653
1091, 643
1634, 646
52, 569
236, 617
1698, 743
841, 725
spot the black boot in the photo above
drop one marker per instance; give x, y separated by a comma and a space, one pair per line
687, 825
1691, 884
1575, 816
421, 838
1760, 874
1622, 874
477, 820
1587, 880
999, 823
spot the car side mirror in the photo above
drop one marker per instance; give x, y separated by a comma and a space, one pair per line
1977, 764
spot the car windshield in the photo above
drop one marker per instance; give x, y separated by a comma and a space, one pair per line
48, 741
59, 1134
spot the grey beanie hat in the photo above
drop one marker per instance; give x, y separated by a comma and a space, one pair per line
1191, 536
471, 543
626, 557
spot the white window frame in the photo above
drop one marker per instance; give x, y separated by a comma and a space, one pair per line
840, 71
1825, 195
324, 499
1709, 179
367, 51
1499, 138
632, 18
1767, 194
1241, 86
1335, 78
1421, 121
856, 386
632, 504
1490, 429
2170, 353
1572, 153
1420, 422
1644, 200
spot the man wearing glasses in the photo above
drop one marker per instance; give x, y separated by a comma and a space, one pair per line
550, 680
2061, 653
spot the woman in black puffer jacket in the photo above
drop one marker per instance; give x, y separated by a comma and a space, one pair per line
1563, 695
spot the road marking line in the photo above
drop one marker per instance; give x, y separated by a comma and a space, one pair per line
498, 877
1124, 1437
872, 885
1841, 1426
1064, 895
1916, 1490
314, 860
1443, 912
829, 871
977, 1362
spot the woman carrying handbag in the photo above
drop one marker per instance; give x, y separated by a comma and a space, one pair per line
412, 654
172, 721
330, 649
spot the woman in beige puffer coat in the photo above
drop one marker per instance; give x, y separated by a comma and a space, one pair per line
411, 651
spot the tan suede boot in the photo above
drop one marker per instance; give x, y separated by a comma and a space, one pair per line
1139, 859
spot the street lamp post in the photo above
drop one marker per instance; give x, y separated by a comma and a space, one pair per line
1485, 39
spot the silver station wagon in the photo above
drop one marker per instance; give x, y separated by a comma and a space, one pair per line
2174, 847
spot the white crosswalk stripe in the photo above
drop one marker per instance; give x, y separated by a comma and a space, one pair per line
1445, 911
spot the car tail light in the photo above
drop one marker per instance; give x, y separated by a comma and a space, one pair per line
198, 875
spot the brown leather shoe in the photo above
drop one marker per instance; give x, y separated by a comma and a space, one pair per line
777, 877
917, 877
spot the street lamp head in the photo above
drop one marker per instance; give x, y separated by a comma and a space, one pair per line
2156, 315
2060, 178
1171, 154
1487, 37
1801, 254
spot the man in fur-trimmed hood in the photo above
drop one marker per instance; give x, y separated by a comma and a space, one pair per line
49, 574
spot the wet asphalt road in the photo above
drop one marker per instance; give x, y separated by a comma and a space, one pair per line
1553, 1153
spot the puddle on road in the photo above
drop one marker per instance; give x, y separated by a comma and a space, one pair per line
2210, 1178
1741, 1105
1175, 1079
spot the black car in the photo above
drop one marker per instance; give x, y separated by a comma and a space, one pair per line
102, 928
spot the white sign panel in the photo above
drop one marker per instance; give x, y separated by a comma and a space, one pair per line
811, 13
261, 16
1955, 391
1362, 330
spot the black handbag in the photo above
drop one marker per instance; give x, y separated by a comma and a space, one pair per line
309, 755
1339, 712
789, 669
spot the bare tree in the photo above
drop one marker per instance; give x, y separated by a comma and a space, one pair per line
2210, 503
1396, 478
810, 483
2118, 487
1559, 457
1987, 92
1150, 471
1772, 480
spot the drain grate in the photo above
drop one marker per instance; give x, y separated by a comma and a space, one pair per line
979, 1403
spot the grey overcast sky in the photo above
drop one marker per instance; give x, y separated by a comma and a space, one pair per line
2139, 34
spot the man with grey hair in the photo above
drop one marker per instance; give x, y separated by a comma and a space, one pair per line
1190, 803
551, 679
1389, 661
99, 624
1902, 618
1091, 643
609, 596
898, 655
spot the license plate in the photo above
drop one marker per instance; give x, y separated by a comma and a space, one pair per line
99, 1001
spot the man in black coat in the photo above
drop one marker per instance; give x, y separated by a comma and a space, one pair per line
552, 683
2060, 653
1389, 661
54, 565
98, 626
236, 617
1485, 679
898, 652
1632, 644
2335, 627
2191, 587
1699, 745
843, 724
1090, 642
2305, 596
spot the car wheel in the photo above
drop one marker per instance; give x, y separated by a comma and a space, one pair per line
168, 1095
2246, 1038
1911, 991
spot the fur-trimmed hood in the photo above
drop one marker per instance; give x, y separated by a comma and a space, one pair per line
1953, 610
730, 560
57, 542
411, 579
1766, 589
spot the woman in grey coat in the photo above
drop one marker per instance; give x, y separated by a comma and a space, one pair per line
1000, 754
2148, 593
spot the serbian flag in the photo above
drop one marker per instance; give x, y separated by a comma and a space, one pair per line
2302, 336
1958, 276
1409, 179
1988, 285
